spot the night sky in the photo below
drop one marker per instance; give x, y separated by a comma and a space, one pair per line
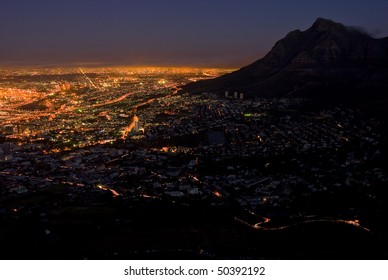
215, 33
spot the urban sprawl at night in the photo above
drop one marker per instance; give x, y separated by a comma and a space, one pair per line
123, 153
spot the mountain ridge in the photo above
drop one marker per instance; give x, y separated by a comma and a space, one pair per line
327, 56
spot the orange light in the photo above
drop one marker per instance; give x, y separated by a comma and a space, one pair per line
217, 194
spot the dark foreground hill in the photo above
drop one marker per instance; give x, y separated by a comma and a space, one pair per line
327, 61
166, 231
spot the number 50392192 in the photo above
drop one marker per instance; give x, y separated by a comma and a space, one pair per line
241, 270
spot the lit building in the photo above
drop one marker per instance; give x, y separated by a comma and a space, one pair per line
235, 94
136, 127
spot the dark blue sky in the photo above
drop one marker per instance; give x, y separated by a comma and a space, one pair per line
228, 33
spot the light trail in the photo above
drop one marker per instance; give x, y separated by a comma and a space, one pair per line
89, 80
129, 128
328, 220
112, 101
115, 193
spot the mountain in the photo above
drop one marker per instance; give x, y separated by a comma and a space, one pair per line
327, 60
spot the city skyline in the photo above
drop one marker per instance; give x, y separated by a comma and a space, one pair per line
176, 33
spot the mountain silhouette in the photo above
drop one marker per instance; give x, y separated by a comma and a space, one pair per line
327, 60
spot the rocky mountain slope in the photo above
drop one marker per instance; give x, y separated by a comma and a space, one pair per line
328, 60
